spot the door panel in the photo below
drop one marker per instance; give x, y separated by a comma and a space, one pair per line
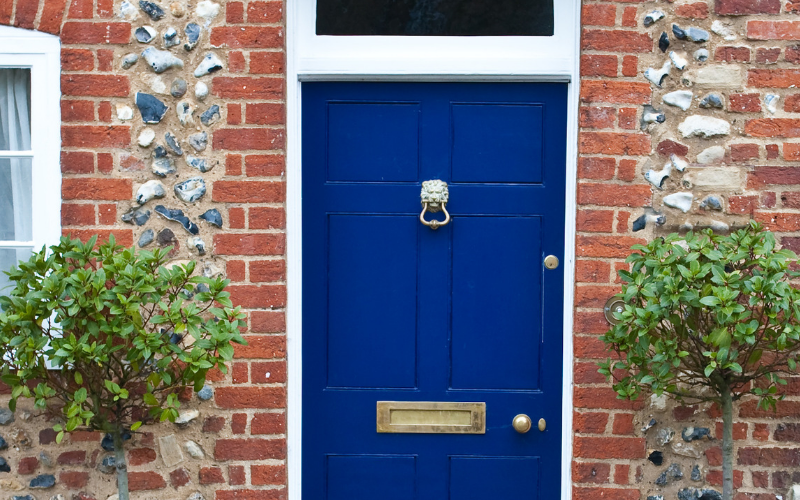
394, 311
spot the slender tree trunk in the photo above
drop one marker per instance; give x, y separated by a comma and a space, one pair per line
122, 467
727, 443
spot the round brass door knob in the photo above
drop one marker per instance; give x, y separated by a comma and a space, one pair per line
522, 423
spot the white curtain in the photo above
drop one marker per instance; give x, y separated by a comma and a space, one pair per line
15, 135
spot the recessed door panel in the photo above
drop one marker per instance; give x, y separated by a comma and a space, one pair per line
506, 478
372, 297
373, 477
496, 301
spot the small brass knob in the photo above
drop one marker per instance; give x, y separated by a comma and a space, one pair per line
542, 424
522, 423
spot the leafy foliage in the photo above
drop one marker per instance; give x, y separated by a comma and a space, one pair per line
128, 333
707, 315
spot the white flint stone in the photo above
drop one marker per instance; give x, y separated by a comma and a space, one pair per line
658, 403
794, 492
714, 154
679, 163
185, 113
678, 60
654, 117
193, 449
723, 31
704, 126
701, 55
149, 190
115, 496
186, 416
146, 137
209, 61
161, 60
207, 10
652, 17
128, 11
170, 451
200, 91
656, 177
771, 101
685, 450
716, 178
681, 201
680, 99
124, 112
719, 226
656, 76
720, 76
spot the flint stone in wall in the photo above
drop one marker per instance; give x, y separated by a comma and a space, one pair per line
146, 238
6, 416
716, 178
728, 76
714, 154
170, 451
704, 126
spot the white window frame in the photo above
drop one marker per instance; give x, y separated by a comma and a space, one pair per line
311, 57
41, 53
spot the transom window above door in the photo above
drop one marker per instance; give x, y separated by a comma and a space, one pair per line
435, 17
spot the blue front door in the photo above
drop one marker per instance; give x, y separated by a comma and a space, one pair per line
395, 311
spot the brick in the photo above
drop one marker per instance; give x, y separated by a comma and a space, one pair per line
787, 432
249, 449
26, 13
744, 103
762, 176
773, 151
143, 481
742, 204
211, 475
590, 347
105, 163
130, 163
104, 111
590, 423
74, 480
77, 457
253, 37
240, 374
598, 14
249, 244
612, 143
77, 162
105, 8
616, 41
236, 62
258, 296
606, 246
627, 118
77, 111
27, 465
743, 152
773, 127
784, 479
96, 33
250, 397
777, 221
51, 17
262, 475
784, 409
266, 114
234, 115
179, 477
248, 87
615, 92
250, 495
236, 218
592, 271
96, 189
264, 12
267, 322
768, 55
261, 347
714, 456
239, 423
732, 54
714, 478
630, 66
213, 424
597, 473
268, 372
792, 103
623, 424
240, 139
234, 12
745, 7
267, 63
604, 447
769, 457
81, 9
95, 136
265, 271
236, 475
591, 117
791, 151
611, 195
605, 398
105, 59
268, 423
668, 147
622, 473
773, 78
739, 430
233, 164
626, 170
629, 17
773, 30
696, 10
47, 436
272, 165
604, 494
141, 456
77, 215
235, 270
760, 479
248, 192
598, 65
595, 221
77, 60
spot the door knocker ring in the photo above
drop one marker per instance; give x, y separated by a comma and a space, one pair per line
434, 197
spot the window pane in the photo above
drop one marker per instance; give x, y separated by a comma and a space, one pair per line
435, 17
16, 211
8, 259
15, 109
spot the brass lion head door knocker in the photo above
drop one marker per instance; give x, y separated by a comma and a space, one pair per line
434, 197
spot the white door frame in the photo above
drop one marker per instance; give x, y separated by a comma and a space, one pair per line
353, 58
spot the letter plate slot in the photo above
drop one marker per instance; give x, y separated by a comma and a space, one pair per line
429, 417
